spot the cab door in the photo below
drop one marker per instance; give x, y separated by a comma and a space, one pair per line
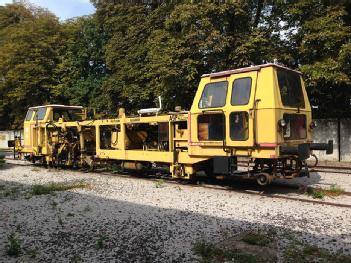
207, 117
241, 109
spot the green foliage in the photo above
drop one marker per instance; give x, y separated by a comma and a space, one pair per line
13, 248
129, 52
55, 187
336, 190
257, 239
2, 161
29, 52
300, 253
159, 183
211, 253
316, 193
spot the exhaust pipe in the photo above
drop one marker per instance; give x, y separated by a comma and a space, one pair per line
152, 110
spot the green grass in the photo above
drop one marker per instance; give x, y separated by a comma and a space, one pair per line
11, 192
2, 161
32, 253
75, 259
13, 249
319, 193
159, 183
300, 253
316, 193
336, 190
100, 243
257, 239
55, 187
211, 253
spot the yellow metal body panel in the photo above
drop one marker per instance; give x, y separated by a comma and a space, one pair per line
186, 148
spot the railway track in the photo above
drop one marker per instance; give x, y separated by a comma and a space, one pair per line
245, 186
319, 168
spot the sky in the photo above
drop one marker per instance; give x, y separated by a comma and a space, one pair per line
64, 9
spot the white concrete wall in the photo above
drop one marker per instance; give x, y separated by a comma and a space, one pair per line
345, 140
327, 129
8, 135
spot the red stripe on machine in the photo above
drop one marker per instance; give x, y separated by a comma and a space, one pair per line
268, 145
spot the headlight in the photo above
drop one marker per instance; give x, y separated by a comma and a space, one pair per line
282, 123
313, 125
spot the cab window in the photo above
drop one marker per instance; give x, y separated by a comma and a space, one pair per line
29, 115
239, 126
67, 114
40, 114
214, 95
211, 127
241, 91
290, 88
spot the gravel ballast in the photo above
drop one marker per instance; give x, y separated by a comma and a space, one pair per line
123, 219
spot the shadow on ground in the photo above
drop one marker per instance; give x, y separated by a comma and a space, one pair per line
81, 226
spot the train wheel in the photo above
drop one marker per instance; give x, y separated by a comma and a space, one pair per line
264, 179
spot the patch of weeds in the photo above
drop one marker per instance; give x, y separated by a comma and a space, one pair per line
87, 208
159, 183
10, 192
179, 188
113, 168
211, 253
315, 193
319, 193
100, 243
2, 163
55, 187
32, 252
257, 239
75, 259
335, 190
18, 227
300, 253
13, 249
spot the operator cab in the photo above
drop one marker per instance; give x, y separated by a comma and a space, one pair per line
264, 106
54, 113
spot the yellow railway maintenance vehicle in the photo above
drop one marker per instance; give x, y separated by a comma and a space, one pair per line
260, 112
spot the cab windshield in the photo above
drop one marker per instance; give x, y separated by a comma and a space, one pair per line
290, 88
29, 115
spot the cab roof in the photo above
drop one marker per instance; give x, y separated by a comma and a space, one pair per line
246, 69
56, 106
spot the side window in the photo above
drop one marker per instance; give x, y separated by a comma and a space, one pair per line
241, 91
40, 114
239, 126
29, 115
211, 127
214, 95
290, 89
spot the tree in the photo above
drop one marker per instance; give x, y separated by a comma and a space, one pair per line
82, 66
30, 41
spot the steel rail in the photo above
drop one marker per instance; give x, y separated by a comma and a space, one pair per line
219, 186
